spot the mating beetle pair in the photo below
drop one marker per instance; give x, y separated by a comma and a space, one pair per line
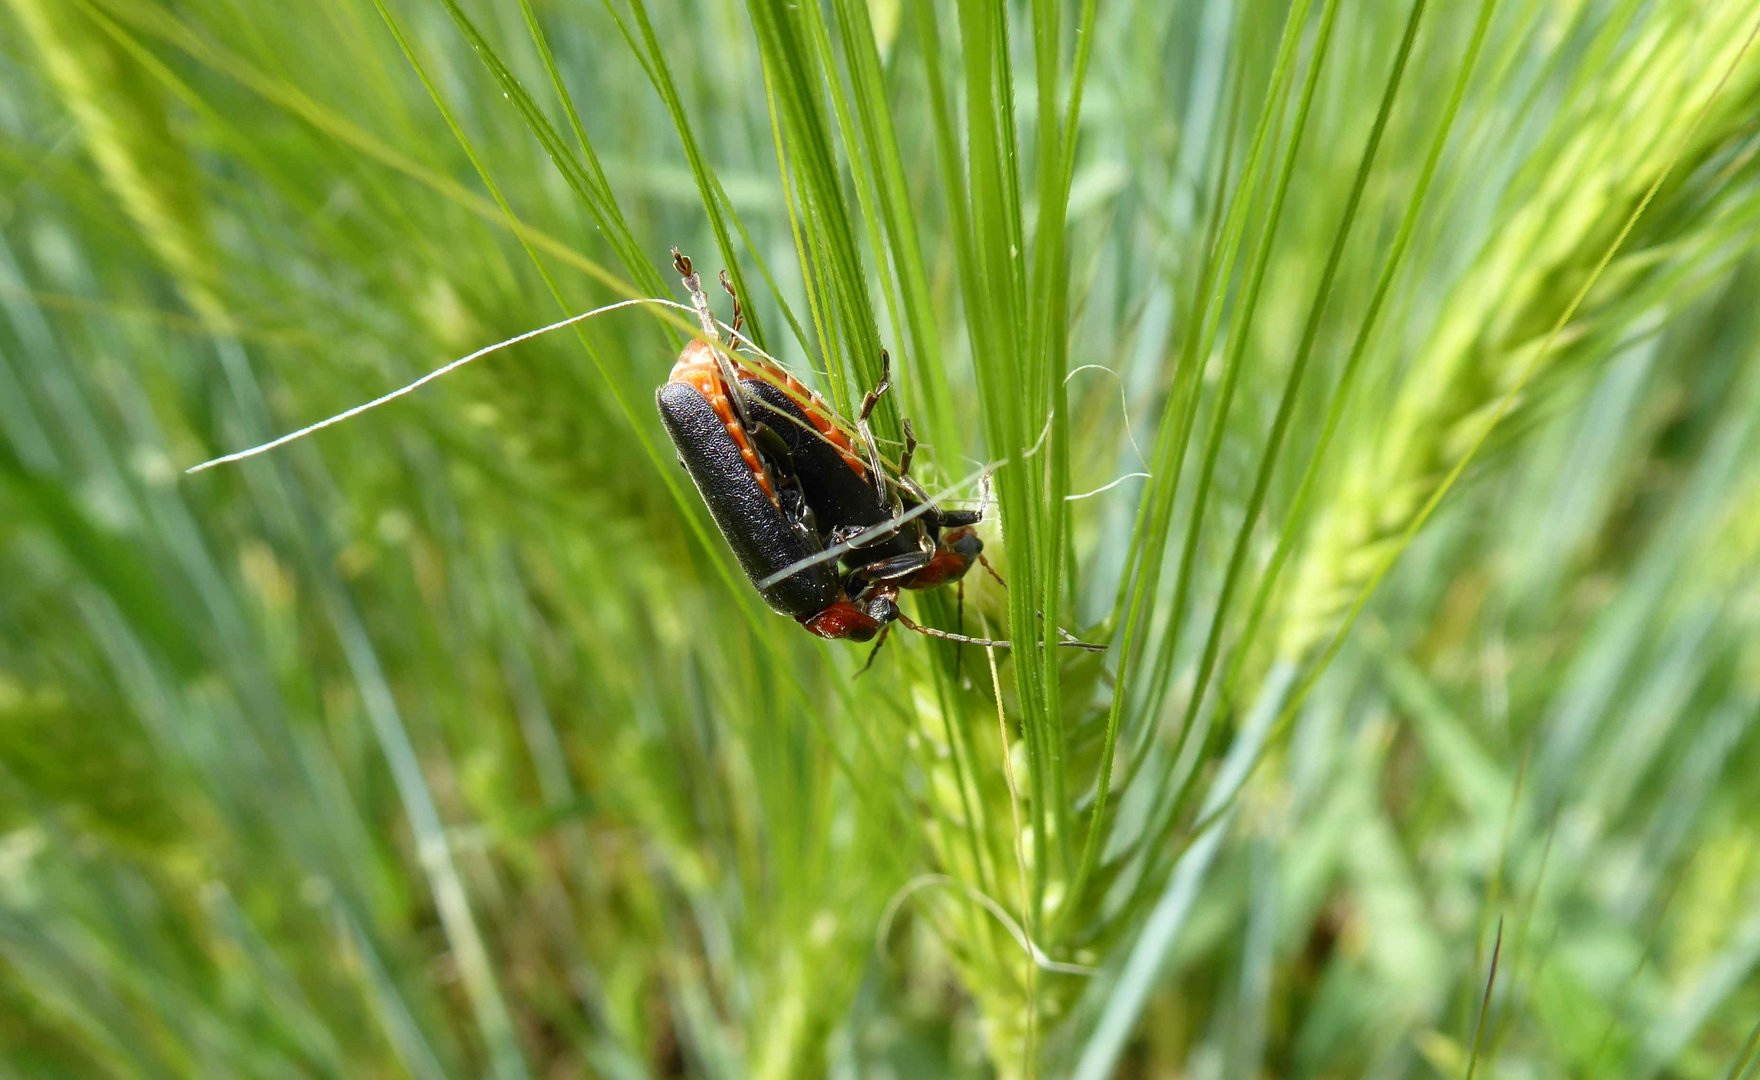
782, 477
788, 482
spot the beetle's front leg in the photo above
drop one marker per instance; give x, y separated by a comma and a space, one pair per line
869, 400
887, 570
860, 537
954, 519
846, 534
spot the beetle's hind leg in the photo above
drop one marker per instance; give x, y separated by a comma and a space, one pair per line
739, 311
872, 397
875, 466
899, 566
954, 519
773, 451
846, 534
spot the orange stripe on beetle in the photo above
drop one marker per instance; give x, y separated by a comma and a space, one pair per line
697, 369
818, 413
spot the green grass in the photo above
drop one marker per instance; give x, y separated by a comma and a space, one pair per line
1416, 504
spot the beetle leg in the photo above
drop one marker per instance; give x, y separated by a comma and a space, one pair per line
846, 534
937, 518
869, 400
774, 451
872, 397
773, 446
793, 503
841, 534
739, 312
875, 651
896, 567
910, 447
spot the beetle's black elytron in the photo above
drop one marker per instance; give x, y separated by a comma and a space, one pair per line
785, 482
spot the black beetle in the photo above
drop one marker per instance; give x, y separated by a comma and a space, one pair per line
785, 483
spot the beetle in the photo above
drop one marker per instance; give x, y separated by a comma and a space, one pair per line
788, 482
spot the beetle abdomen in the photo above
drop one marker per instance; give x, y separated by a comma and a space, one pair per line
762, 538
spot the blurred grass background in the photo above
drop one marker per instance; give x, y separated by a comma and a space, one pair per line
451, 742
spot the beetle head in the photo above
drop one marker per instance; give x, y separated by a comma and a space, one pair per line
855, 620
955, 552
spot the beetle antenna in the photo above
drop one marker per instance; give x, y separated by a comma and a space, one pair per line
948, 635
446, 369
1067, 641
1070, 641
959, 621
1065, 638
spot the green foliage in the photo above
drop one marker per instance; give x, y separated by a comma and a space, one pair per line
1380, 382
